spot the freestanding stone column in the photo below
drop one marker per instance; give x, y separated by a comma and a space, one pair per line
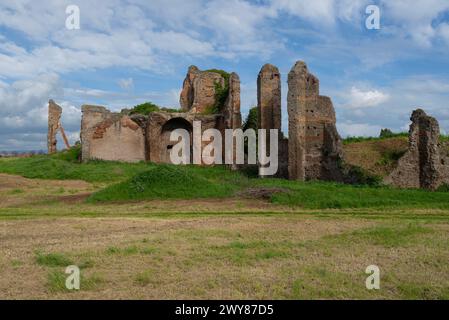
269, 97
314, 148
54, 118
231, 113
270, 114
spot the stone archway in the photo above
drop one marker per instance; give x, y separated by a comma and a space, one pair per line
166, 130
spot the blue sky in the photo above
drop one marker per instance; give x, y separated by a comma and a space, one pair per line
130, 51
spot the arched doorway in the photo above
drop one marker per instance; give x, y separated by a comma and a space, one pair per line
166, 144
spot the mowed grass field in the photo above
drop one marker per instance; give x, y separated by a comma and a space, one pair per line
145, 231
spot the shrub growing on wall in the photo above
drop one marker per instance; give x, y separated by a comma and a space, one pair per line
145, 108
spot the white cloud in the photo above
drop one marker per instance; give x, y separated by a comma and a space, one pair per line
322, 12
24, 95
358, 129
430, 93
126, 83
358, 98
414, 19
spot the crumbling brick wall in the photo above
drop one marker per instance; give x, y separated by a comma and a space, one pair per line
110, 136
161, 124
314, 148
424, 165
199, 90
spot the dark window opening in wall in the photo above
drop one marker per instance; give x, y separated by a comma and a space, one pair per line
169, 147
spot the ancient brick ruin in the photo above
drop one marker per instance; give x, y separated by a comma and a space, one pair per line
312, 152
269, 97
269, 111
111, 136
54, 126
54, 118
425, 165
314, 148
119, 136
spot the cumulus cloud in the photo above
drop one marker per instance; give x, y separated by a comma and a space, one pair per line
358, 98
430, 93
416, 20
24, 95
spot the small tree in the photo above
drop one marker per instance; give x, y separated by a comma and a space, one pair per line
386, 133
252, 121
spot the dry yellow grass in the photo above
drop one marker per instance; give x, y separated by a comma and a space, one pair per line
226, 257
213, 249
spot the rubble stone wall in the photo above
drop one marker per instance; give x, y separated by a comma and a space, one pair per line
110, 136
161, 124
425, 164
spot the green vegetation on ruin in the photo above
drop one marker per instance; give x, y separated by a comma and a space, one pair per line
221, 92
149, 107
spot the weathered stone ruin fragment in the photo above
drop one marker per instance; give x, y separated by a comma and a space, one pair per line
54, 125
110, 136
231, 110
425, 165
269, 111
54, 118
200, 89
269, 97
314, 149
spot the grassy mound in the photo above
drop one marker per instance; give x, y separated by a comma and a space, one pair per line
146, 181
174, 182
62, 167
323, 195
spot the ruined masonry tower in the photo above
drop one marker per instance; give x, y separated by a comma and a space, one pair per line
269, 97
269, 112
314, 147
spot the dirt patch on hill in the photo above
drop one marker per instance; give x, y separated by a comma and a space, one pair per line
17, 190
377, 157
12, 181
261, 193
